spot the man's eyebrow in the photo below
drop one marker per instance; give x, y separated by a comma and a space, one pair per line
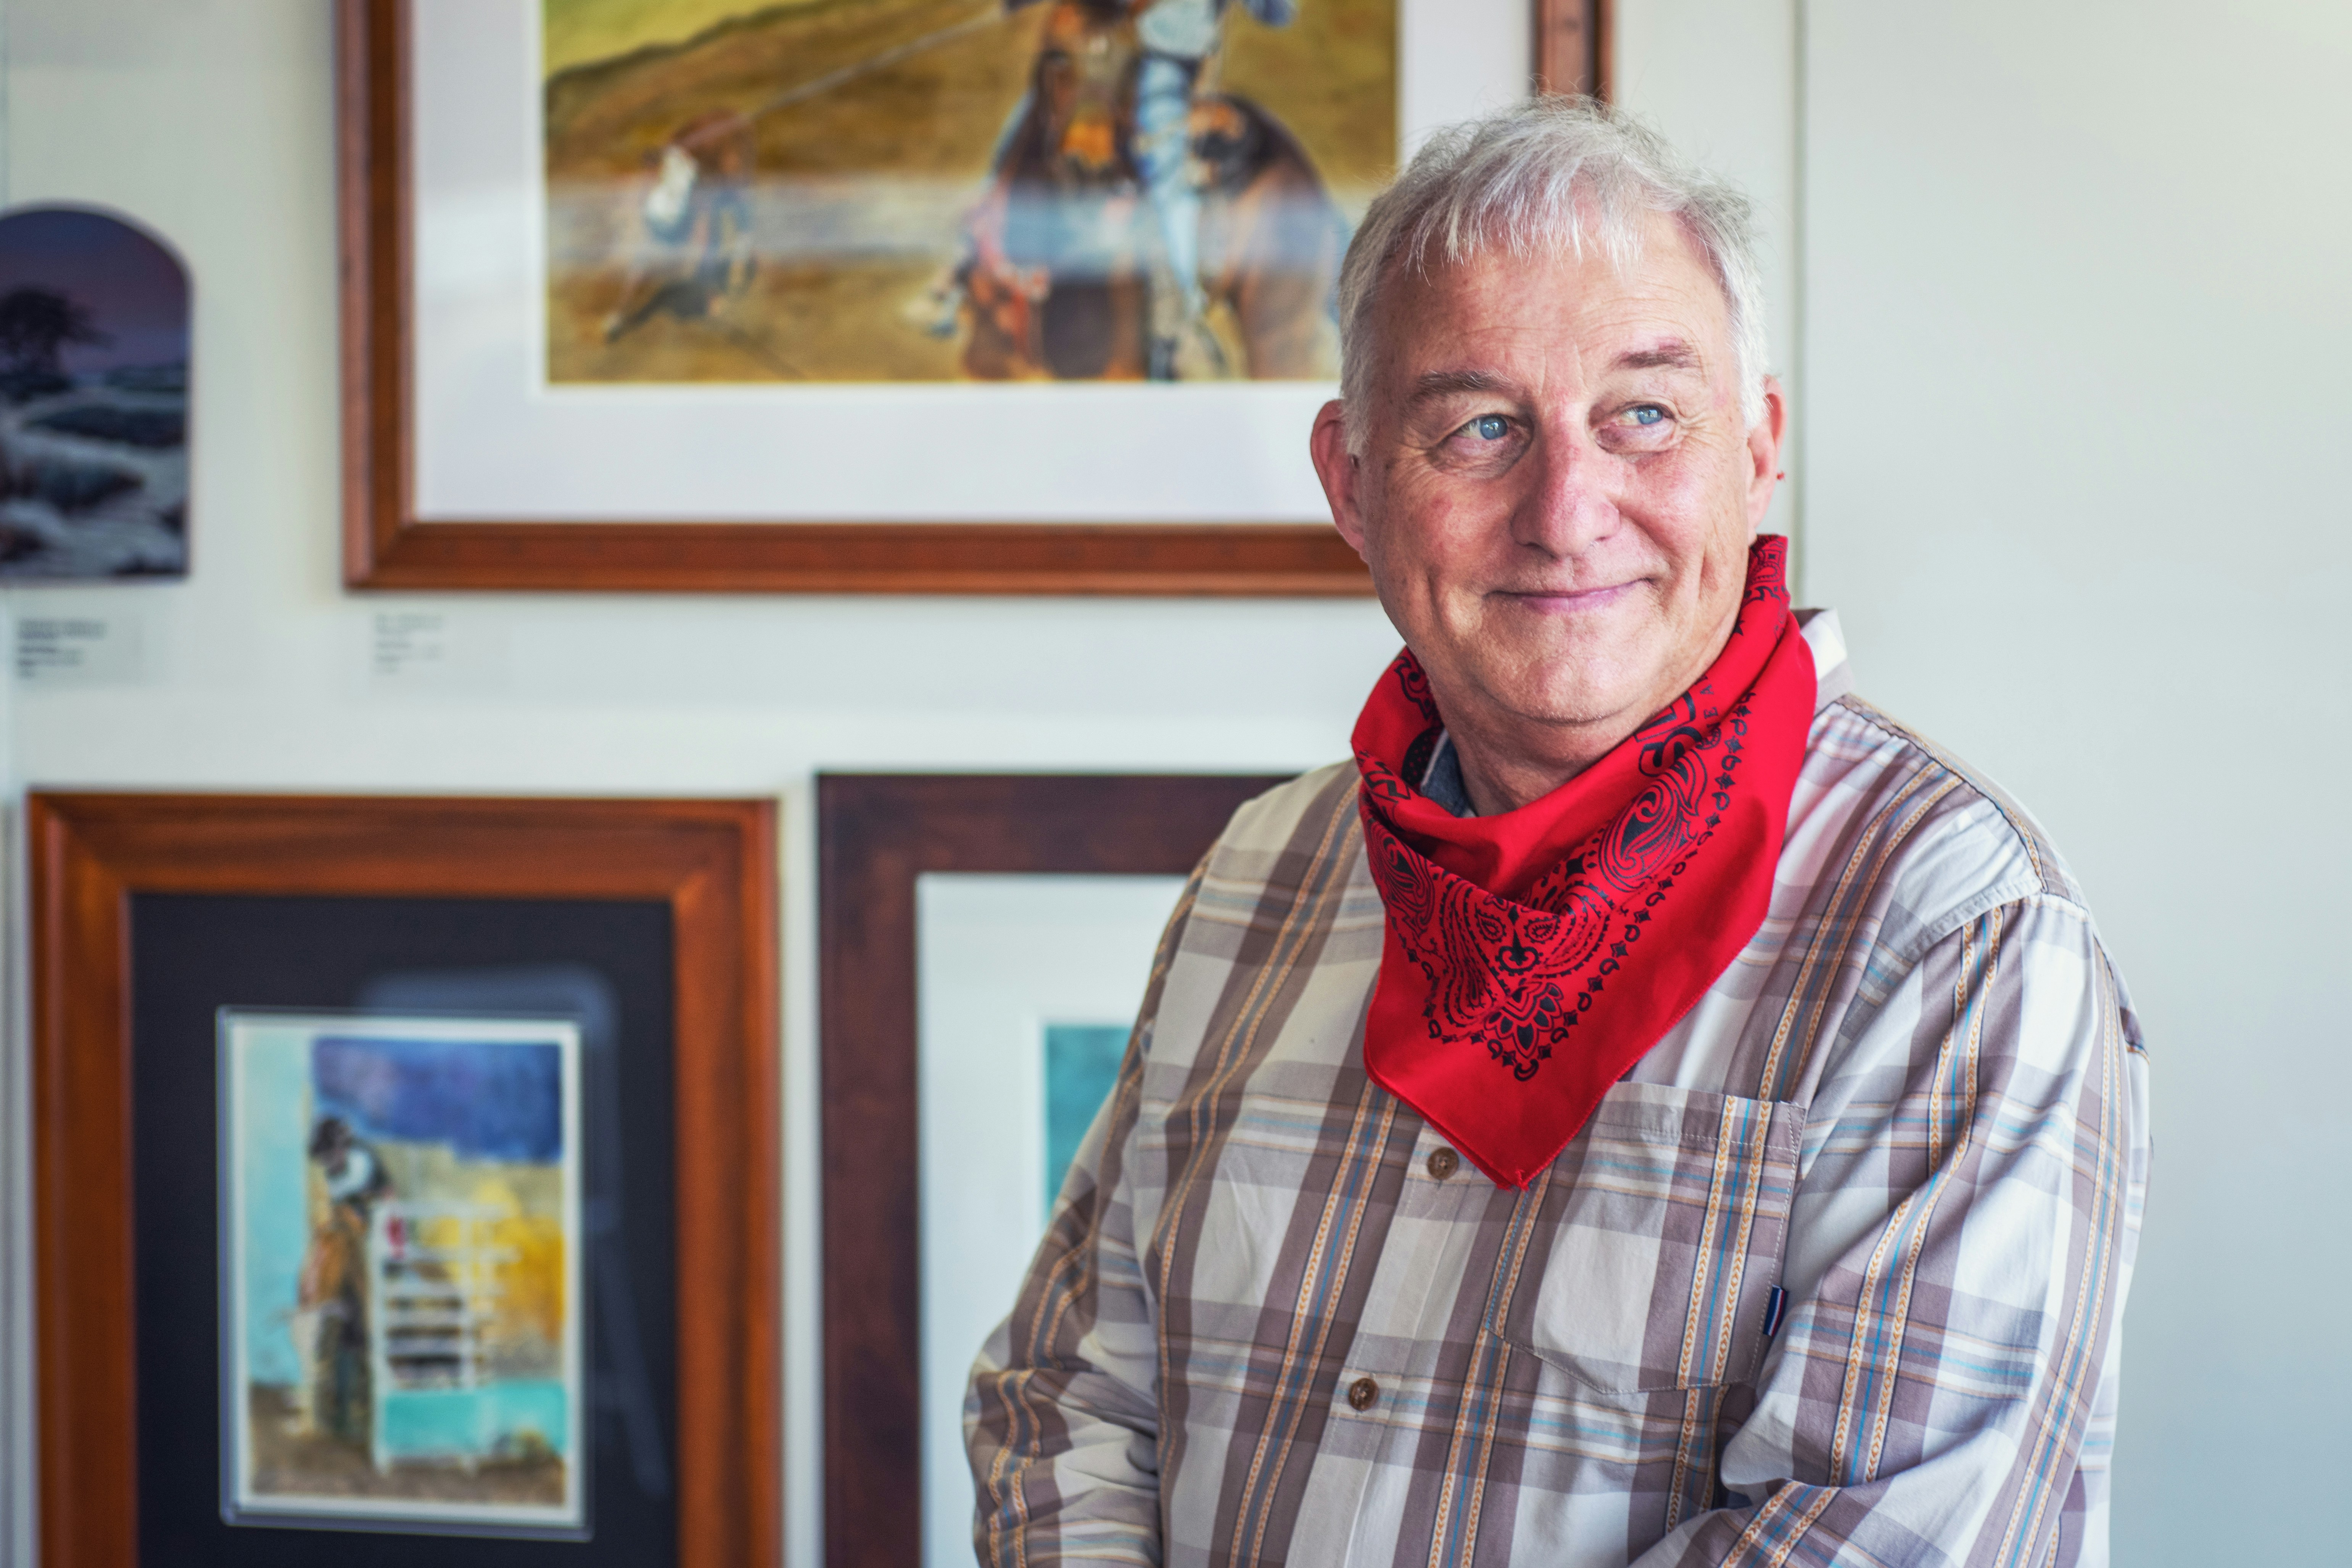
1668, 353
1452, 383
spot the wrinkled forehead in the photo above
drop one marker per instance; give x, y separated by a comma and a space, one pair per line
1647, 278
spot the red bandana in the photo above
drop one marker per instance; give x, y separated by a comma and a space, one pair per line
1533, 957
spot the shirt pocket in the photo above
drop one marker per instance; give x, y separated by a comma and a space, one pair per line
1654, 1243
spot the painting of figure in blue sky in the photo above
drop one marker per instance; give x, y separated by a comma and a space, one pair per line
93, 399
401, 1268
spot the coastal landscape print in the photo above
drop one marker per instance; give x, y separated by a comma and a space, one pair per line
957, 190
401, 1273
93, 399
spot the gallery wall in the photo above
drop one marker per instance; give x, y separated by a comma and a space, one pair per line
2060, 290
211, 120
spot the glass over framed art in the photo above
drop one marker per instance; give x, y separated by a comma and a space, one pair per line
405, 1167
401, 1272
886, 295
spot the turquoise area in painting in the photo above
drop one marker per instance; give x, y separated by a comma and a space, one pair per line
1081, 1064
422, 1423
273, 1127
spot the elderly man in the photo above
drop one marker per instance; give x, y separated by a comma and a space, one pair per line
1649, 1106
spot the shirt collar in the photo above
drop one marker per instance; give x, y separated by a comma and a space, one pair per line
1833, 675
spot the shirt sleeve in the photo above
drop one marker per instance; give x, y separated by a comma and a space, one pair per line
1942, 1389
1061, 1416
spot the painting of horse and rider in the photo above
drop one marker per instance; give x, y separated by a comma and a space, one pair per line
940, 190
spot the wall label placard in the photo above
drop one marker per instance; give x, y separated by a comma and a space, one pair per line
77, 650
432, 651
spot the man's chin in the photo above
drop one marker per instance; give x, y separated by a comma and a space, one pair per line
1570, 700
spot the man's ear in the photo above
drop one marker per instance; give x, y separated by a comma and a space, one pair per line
1339, 472
1765, 439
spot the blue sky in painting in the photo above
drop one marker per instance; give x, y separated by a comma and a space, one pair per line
486, 1101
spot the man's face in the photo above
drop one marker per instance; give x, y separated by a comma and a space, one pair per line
1557, 488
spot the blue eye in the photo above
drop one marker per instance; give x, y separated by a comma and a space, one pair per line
1491, 427
1648, 414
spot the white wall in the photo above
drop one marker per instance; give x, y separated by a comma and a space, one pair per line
1719, 78
2073, 468
2078, 331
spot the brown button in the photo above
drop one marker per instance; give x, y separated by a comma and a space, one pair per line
1443, 1163
1362, 1392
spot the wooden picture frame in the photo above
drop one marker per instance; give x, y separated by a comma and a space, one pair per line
711, 862
878, 833
388, 545
1572, 47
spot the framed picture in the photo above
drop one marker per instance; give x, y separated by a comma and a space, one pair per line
987, 296
405, 1167
93, 399
400, 1235
983, 944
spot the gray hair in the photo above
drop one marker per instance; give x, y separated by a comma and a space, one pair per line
1546, 176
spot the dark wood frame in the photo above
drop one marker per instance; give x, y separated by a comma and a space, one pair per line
712, 862
1574, 44
385, 546
878, 832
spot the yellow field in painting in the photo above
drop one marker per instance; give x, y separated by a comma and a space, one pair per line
582, 32
525, 1205
914, 139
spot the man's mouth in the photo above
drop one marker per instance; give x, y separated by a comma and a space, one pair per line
1547, 601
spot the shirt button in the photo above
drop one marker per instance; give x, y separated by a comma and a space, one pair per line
1443, 1163
1362, 1392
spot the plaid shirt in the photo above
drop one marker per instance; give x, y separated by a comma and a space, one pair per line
1833, 1275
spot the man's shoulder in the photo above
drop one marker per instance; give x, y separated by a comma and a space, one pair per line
1290, 859
1295, 831
1947, 840
1934, 833
1272, 820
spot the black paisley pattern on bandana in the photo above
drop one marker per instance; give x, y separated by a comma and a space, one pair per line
1515, 975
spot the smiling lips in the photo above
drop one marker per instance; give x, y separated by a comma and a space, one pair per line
1565, 601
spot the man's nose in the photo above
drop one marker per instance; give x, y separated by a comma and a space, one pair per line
1571, 504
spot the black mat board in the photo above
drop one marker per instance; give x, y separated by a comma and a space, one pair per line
607, 962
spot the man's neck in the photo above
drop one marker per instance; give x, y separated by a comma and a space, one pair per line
1509, 760
1500, 778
